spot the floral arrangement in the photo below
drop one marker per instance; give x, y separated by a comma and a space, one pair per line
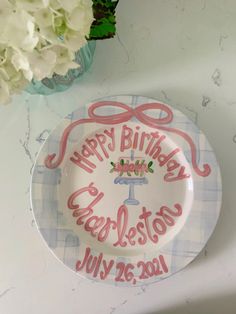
139, 168
39, 38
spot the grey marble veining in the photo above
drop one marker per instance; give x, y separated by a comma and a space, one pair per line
182, 53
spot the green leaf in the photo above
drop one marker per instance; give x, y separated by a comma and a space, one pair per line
104, 23
122, 162
103, 30
150, 164
112, 163
150, 170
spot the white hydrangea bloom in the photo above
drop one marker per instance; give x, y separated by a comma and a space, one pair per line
69, 6
39, 38
18, 30
31, 5
21, 62
42, 63
43, 17
11, 79
64, 59
80, 18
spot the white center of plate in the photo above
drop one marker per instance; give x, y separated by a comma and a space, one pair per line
126, 189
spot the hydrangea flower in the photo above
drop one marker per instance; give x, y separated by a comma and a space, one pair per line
39, 38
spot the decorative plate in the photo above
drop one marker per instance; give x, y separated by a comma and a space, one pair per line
126, 190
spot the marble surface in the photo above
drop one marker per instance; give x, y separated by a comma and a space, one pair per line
181, 52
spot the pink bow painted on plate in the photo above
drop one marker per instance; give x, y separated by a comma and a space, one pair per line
139, 114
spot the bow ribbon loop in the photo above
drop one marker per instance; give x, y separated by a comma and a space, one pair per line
124, 116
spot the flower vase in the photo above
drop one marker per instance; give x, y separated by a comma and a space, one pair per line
59, 83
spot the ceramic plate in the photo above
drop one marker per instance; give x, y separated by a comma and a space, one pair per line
126, 190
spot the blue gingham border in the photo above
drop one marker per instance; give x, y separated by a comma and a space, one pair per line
181, 250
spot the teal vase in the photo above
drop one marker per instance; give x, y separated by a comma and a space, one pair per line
59, 83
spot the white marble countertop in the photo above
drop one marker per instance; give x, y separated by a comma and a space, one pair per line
182, 52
